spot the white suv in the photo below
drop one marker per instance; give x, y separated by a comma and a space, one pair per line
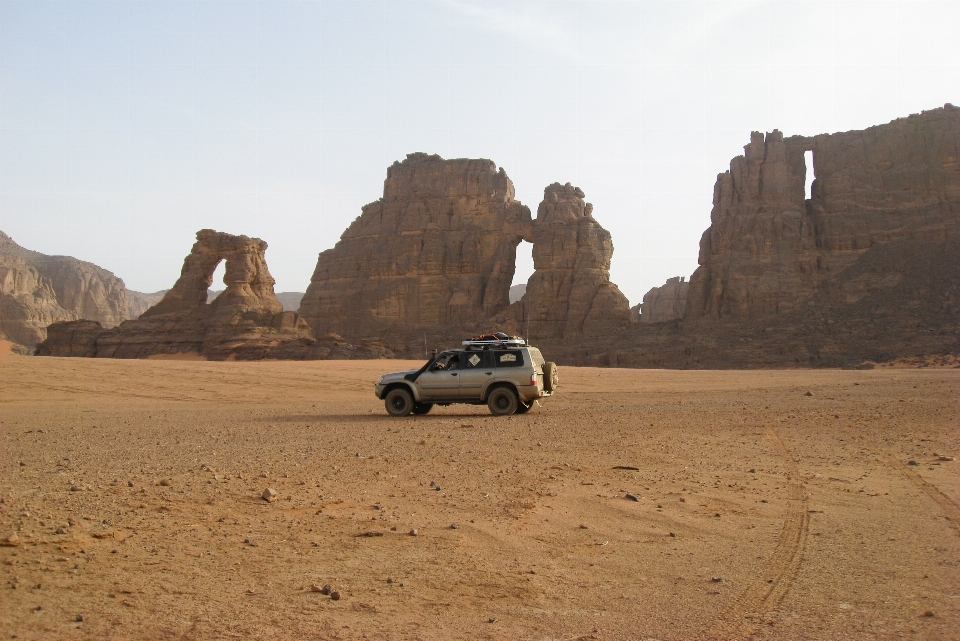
506, 374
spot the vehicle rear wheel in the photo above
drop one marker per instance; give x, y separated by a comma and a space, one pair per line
422, 408
503, 401
399, 402
523, 408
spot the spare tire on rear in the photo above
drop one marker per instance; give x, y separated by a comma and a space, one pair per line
550, 377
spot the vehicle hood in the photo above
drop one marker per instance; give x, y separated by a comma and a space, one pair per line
392, 376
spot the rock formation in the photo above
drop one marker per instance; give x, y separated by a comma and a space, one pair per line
768, 250
438, 250
38, 290
570, 296
517, 292
665, 303
28, 303
865, 271
246, 321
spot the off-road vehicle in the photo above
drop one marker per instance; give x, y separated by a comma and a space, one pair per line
505, 373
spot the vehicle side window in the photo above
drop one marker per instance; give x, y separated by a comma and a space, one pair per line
447, 360
511, 358
475, 360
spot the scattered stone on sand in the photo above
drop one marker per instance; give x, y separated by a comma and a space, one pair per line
166, 482
335, 595
633, 497
129, 483
454, 526
911, 462
370, 533
326, 589
389, 579
60, 530
414, 532
809, 394
74, 488
929, 613
11, 541
269, 495
673, 534
78, 618
316, 588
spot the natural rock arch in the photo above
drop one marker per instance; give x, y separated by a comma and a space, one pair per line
249, 283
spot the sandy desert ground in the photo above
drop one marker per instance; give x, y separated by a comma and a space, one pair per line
131, 499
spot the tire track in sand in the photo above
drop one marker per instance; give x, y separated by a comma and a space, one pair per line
949, 507
775, 579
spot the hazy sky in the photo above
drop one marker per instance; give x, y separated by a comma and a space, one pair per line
127, 126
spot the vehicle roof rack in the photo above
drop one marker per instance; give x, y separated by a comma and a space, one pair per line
486, 343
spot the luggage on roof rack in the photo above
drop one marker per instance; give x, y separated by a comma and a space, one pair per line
499, 339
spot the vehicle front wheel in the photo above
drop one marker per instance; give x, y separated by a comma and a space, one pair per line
503, 401
523, 408
399, 402
422, 408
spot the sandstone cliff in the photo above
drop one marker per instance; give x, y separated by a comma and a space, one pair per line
665, 303
246, 321
768, 250
40, 289
28, 303
438, 250
570, 296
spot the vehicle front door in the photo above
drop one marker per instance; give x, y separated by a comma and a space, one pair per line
441, 381
476, 368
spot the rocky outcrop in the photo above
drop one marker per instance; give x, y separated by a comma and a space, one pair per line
438, 250
570, 296
665, 303
38, 290
768, 250
246, 321
28, 303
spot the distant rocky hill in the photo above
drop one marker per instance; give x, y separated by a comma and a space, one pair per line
517, 292
665, 303
37, 290
289, 300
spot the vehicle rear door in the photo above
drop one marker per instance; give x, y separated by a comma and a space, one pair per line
476, 368
509, 366
440, 382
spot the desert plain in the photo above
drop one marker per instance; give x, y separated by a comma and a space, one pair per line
781, 504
